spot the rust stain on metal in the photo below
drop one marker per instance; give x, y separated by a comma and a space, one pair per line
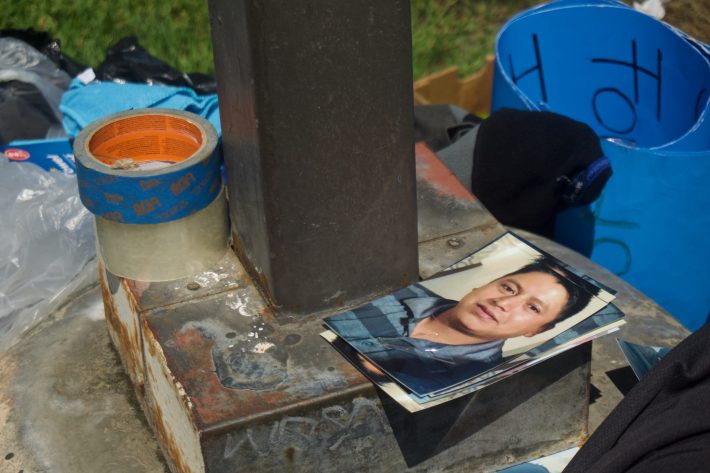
256, 275
131, 291
126, 341
199, 344
213, 401
432, 170
167, 442
156, 352
106, 292
191, 340
189, 357
290, 454
150, 345
268, 315
366, 389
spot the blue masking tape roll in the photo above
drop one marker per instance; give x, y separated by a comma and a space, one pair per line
147, 166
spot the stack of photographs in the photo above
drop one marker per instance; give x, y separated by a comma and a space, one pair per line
501, 310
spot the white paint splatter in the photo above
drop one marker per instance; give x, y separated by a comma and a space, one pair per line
234, 305
262, 347
210, 277
240, 305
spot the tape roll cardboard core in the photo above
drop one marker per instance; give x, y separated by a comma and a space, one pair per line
147, 138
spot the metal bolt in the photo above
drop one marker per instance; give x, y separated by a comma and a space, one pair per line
454, 243
193, 286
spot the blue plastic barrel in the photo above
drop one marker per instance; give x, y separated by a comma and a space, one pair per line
643, 86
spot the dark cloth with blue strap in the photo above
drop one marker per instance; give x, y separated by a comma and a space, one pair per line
524, 166
528, 166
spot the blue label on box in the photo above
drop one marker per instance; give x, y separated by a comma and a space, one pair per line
56, 154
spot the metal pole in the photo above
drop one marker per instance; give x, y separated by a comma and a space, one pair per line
316, 108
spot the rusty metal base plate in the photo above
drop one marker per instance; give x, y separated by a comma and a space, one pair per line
225, 384
228, 384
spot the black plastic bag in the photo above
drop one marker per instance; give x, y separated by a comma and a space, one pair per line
128, 61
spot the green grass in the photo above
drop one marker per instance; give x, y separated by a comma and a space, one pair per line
451, 32
445, 32
176, 31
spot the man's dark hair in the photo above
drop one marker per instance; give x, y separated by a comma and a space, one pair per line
578, 296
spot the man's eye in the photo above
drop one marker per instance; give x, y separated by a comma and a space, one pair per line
534, 308
508, 288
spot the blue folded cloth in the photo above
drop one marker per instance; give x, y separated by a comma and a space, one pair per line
84, 103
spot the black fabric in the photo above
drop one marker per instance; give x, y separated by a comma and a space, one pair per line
128, 61
663, 424
438, 126
525, 162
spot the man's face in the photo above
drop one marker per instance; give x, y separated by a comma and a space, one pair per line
521, 304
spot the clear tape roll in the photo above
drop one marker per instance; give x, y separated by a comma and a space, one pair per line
152, 179
165, 251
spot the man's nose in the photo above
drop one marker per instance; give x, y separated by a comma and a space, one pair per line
507, 303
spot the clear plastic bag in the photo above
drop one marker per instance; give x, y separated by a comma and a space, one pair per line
31, 87
21, 62
47, 249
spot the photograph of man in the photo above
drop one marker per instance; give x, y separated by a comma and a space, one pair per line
428, 342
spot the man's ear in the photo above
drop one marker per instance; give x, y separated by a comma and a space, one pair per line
540, 330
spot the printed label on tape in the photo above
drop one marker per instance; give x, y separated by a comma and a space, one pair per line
116, 176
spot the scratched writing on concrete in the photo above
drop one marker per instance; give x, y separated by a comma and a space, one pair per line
328, 430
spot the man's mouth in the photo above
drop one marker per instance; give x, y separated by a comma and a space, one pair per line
485, 313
